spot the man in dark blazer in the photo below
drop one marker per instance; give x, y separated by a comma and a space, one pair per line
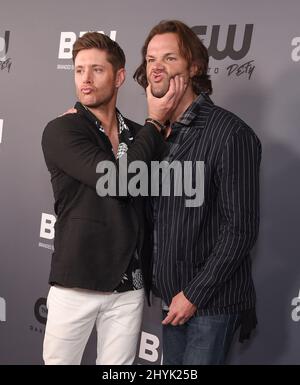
100, 267
202, 265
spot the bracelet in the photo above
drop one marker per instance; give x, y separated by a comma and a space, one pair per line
156, 123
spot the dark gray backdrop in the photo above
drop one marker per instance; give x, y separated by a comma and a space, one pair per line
255, 63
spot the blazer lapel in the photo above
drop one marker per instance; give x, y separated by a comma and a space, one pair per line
188, 140
197, 118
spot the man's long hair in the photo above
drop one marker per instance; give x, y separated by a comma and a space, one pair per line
191, 48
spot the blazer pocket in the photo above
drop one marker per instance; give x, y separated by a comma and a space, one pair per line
85, 219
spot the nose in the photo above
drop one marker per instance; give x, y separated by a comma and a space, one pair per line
87, 76
158, 65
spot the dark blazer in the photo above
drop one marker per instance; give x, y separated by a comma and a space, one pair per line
205, 251
95, 237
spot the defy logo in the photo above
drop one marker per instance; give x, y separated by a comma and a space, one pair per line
5, 62
1, 129
229, 49
2, 309
233, 42
296, 51
67, 39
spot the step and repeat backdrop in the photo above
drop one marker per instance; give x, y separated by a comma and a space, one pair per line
254, 50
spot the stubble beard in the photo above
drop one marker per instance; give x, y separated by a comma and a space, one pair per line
160, 90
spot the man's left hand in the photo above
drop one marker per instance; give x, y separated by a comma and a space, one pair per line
180, 310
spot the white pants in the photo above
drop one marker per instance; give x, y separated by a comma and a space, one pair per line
72, 314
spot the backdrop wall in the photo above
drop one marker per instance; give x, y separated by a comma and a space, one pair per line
255, 66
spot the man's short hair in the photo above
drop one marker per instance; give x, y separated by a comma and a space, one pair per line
115, 54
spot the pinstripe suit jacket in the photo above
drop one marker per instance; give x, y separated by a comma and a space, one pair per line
205, 251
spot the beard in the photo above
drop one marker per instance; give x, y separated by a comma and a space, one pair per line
160, 89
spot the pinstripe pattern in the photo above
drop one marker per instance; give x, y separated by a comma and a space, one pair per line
204, 251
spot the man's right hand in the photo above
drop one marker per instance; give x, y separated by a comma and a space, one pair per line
162, 108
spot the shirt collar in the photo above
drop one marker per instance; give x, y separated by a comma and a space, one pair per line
81, 108
194, 110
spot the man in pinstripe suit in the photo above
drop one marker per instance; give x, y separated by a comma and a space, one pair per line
201, 259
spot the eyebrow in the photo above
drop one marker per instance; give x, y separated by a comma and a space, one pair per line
166, 54
93, 65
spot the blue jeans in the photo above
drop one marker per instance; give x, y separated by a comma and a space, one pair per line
203, 340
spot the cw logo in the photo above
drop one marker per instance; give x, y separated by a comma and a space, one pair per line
296, 51
2, 309
67, 39
229, 50
4, 43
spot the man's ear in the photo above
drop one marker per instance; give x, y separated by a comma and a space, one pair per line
120, 77
194, 70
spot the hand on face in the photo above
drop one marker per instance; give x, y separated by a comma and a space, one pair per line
161, 108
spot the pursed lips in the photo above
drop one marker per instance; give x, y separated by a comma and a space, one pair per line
87, 90
158, 76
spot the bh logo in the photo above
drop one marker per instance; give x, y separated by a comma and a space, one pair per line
229, 48
296, 51
1, 129
149, 345
296, 311
67, 39
2, 309
47, 226
4, 43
